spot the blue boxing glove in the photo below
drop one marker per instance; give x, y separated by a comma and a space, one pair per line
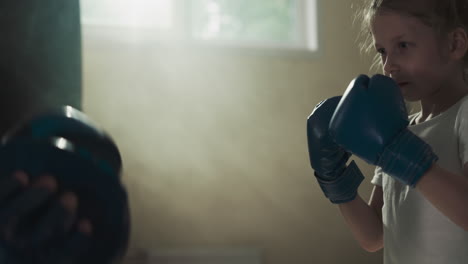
338, 181
371, 122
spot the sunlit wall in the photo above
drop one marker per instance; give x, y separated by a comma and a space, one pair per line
214, 141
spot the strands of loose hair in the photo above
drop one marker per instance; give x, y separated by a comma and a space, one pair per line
442, 15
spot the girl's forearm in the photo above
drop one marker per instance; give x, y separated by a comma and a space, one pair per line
448, 192
365, 224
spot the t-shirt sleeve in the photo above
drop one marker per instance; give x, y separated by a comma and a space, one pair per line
462, 131
377, 179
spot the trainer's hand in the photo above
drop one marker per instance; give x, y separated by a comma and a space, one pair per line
371, 122
85, 164
35, 219
338, 181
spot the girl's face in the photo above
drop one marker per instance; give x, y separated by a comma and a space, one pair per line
410, 54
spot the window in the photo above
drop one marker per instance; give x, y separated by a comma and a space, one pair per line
128, 13
255, 23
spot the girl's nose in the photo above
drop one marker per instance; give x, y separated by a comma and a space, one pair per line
391, 66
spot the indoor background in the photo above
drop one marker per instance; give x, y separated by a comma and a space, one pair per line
214, 141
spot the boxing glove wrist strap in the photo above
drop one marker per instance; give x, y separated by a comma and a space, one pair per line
407, 158
344, 188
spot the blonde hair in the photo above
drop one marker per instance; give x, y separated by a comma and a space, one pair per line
441, 15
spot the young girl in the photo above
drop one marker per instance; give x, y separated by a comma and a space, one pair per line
422, 45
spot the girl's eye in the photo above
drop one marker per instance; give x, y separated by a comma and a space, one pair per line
381, 51
403, 44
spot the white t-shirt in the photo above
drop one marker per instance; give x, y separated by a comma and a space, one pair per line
415, 232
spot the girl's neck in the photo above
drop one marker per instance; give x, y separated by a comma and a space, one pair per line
443, 99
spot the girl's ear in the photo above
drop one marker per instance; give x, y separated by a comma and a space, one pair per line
458, 43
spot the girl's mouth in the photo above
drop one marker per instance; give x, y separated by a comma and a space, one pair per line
402, 84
